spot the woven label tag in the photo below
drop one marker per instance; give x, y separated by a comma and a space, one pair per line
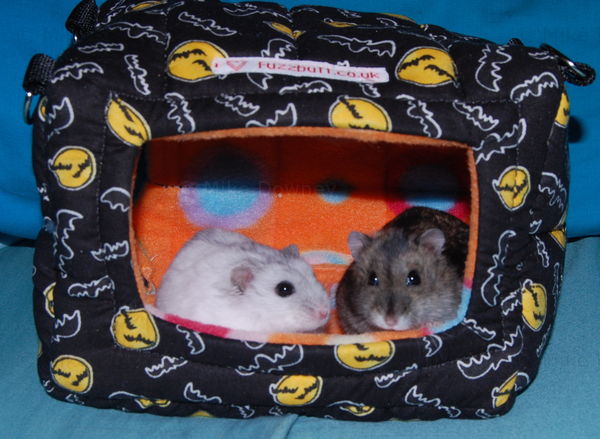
292, 67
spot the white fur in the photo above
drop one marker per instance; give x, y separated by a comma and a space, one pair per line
198, 286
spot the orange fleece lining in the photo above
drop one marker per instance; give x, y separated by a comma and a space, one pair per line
308, 186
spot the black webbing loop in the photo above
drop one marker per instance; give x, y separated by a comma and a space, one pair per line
83, 19
37, 75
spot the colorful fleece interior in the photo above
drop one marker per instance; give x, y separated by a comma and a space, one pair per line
305, 186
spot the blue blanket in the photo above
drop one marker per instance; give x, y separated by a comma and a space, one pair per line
561, 403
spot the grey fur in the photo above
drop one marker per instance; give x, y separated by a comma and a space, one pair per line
407, 245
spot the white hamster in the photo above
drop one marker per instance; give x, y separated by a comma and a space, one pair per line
223, 278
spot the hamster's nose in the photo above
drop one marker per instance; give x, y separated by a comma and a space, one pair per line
321, 313
391, 320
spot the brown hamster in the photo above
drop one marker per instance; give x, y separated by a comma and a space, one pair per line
406, 276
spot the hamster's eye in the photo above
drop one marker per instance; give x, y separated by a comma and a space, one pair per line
413, 278
284, 289
373, 279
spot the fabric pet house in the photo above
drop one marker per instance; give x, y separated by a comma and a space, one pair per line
291, 126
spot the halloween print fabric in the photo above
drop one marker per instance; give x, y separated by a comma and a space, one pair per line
149, 71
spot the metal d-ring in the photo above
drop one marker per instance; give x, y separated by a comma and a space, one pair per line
27, 116
575, 73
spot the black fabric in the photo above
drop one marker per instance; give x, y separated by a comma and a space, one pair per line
38, 73
101, 348
82, 21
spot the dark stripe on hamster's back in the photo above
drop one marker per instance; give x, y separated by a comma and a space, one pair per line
415, 220
395, 242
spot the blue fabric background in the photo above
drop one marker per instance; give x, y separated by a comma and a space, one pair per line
31, 26
561, 403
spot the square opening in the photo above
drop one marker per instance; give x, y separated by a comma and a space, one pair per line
307, 186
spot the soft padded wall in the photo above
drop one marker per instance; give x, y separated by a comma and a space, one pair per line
285, 185
123, 86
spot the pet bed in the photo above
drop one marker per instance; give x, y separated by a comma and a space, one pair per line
291, 126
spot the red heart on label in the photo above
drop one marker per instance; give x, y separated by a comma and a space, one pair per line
236, 64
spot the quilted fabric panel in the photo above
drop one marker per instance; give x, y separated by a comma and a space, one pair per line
147, 72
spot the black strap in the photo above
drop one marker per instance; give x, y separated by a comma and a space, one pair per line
38, 73
83, 19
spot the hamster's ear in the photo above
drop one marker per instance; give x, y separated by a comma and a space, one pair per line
241, 276
356, 242
291, 251
433, 240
